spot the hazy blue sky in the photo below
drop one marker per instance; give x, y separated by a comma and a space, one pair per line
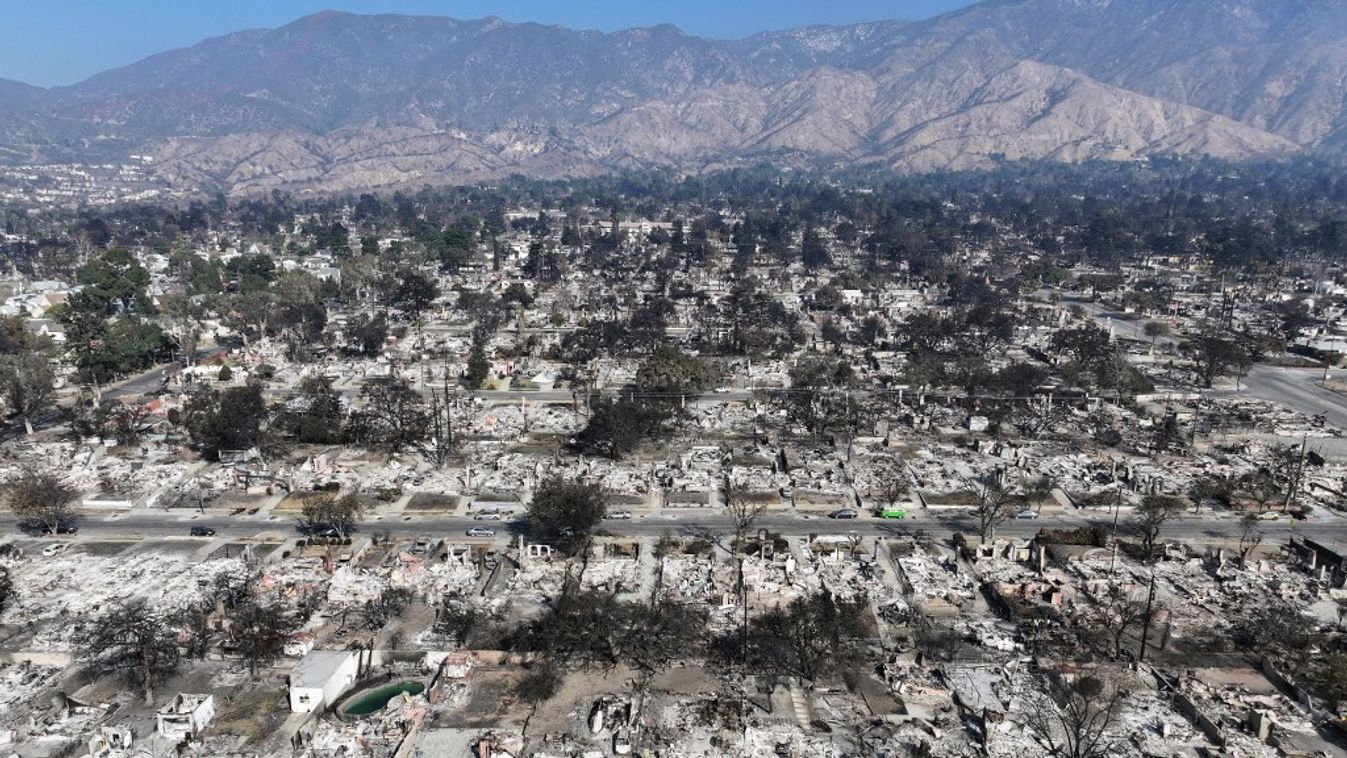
53, 42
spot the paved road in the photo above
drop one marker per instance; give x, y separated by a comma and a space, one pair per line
151, 380
1297, 389
545, 397
465, 330
133, 526
1125, 325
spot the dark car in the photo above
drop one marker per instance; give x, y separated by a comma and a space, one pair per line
36, 529
845, 513
202, 531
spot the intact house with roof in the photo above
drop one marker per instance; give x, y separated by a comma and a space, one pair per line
321, 677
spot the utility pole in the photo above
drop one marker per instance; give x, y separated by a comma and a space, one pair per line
1113, 559
743, 605
1146, 622
1293, 486
851, 427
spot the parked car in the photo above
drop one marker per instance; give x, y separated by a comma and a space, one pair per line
35, 529
1026, 514
845, 513
202, 531
620, 515
481, 531
893, 513
56, 548
487, 516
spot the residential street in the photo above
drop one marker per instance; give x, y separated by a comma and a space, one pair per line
1199, 529
1297, 389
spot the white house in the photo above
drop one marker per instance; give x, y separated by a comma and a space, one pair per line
321, 677
186, 716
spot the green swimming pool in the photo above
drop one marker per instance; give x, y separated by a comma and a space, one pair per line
369, 701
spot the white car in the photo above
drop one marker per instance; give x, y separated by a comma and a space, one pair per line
620, 515
487, 516
1026, 514
56, 548
481, 531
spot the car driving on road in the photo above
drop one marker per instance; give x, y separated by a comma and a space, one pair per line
481, 531
202, 531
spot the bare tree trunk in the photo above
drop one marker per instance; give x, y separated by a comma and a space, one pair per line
149, 680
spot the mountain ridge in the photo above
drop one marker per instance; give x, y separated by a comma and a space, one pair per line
333, 100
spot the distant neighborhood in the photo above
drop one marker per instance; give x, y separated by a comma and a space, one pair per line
753, 463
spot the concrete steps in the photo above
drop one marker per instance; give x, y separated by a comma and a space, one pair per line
800, 704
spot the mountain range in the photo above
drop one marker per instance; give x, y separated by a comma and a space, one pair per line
336, 101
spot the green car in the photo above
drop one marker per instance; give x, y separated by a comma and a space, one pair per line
892, 513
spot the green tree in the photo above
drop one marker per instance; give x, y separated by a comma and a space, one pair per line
258, 631
116, 282
410, 291
479, 365
813, 252
818, 399
1213, 489
102, 347
366, 334
8, 593
672, 372
596, 628
251, 273
337, 512
812, 636
229, 420
1214, 357
41, 498
1093, 359
27, 384
392, 417
14, 337
566, 510
616, 427
181, 319
316, 416
758, 324
1293, 317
